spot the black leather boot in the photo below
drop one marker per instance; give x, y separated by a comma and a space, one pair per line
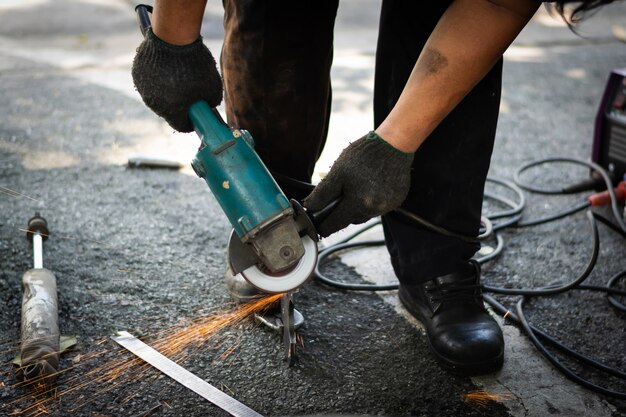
462, 335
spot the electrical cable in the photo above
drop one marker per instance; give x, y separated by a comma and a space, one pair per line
595, 167
556, 363
535, 163
610, 224
511, 218
493, 254
609, 291
516, 208
504, 201
350, 286
614, 301
343, 245
555, 216
535, 333
440, 230
510, 315
555, 288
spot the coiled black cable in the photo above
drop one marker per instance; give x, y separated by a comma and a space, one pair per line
556, 363
592, 165
503, 311
343, 245
555, 216
512, 217
536, 334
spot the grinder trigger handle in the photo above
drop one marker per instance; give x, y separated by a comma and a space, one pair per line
319, 216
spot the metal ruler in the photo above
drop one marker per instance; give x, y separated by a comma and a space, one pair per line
183, 376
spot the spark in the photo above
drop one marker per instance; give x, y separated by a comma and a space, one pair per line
14, 193
178, 342
482, 399
506, 315
57, 236
204, 328
233, 359
228, 352
226, 387
128, 271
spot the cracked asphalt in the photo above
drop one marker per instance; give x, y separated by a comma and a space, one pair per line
143, 249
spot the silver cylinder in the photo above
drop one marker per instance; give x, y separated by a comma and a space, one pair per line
37, 251
40, 327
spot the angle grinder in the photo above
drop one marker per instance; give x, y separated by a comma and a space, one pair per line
273, 244
274, 241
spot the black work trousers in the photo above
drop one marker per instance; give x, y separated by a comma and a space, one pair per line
276, 64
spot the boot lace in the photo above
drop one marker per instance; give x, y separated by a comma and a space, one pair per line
463, 289
452, 291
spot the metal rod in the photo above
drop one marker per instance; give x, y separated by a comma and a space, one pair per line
184, 377
37, 251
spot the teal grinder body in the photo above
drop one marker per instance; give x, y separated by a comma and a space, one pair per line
260, 213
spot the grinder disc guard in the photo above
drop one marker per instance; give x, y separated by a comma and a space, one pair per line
281, 282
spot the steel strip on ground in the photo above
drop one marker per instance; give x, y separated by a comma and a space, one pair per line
183, 376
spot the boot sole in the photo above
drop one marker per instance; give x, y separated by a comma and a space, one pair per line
459, 368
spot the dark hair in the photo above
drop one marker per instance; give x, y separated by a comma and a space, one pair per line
580, 10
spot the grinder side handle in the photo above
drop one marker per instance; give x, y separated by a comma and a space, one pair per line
143, 12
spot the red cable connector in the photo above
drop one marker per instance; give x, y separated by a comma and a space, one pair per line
604, 199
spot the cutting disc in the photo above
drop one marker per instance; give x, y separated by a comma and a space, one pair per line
291, 279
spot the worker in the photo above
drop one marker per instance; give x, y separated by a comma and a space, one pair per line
436, 102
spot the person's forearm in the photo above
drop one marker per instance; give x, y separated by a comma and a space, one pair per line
468, 40
178, 21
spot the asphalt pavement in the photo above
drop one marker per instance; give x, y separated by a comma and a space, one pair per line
143, 250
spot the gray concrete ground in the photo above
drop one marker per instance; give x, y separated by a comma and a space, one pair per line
140, 249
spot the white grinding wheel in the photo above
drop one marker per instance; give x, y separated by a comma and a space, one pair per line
289, 281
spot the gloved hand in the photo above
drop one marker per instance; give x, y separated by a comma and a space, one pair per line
171, 78
371, 177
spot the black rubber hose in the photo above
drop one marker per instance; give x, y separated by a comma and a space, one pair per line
555, 216
496, 252
612, 299
498, 307
552, 290
515, 215
516, 208
440, 230
610, 225
536, 163
597, 168
344, 285
554, 360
